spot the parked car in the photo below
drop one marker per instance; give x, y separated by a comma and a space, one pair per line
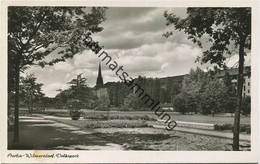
75, 114
74, 107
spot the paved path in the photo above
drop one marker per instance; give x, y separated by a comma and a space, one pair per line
43, 134
212, 133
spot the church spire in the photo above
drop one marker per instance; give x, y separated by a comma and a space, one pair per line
99, 83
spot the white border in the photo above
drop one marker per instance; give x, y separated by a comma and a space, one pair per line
139, 156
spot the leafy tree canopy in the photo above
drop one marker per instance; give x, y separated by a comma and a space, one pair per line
30, 91
221, 27
35, 32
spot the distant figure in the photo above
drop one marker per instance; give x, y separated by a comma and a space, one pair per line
213, 113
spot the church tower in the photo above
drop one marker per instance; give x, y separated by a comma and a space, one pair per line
99, 83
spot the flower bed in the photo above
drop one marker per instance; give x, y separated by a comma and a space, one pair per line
117, 117
93, 124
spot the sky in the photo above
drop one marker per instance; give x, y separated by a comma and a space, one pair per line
133, 36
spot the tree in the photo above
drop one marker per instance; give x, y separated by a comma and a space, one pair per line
79, 91
36, 32
194, 85
132, 101
156, 89
230, 100
103, 102
30, 91
181, 103
173, 88
203, 92
224, 29
213, 97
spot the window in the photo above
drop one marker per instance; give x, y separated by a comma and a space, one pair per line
248, 83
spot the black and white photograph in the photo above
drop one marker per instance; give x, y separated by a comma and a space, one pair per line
129, 78
129, 82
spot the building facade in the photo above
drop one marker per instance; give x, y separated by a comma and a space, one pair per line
233, 73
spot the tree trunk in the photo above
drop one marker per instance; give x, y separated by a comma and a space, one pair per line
16, 102
32, 104
240, 80
8, 105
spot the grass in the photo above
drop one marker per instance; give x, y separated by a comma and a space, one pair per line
92, 124
209, 119
105, 119
149, 115
179, 117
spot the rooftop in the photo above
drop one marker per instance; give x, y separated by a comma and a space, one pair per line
234, 72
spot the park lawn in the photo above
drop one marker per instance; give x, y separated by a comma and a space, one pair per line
209, 119
127, 119
130, 116
176, 116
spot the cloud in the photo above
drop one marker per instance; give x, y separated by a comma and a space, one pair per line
158, 58
51, 89
63, 66
86, 59
136, 26
133, 37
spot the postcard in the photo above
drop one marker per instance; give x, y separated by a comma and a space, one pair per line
129, 81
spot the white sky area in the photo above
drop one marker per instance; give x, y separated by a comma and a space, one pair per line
132, 36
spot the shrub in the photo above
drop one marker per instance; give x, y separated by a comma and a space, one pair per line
179, 103
115, 124
117, 117
243, 127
